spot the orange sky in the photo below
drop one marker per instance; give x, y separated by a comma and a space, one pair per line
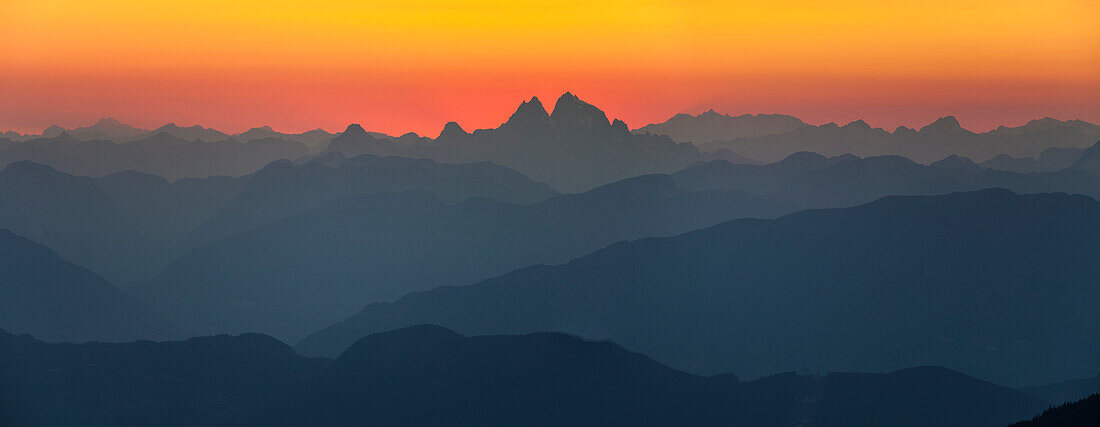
399, 66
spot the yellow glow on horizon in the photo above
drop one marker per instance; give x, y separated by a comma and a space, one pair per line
705, 44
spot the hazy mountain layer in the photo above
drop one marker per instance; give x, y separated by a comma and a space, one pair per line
160, 154
129, 226
939, 139
305, 272
283, 189
988, 282
44, 295
813, 181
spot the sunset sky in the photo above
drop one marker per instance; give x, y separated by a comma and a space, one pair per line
400, 66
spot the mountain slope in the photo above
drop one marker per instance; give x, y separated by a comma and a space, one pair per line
1089, 161
1083, 413
219, 380
282, 189
427, 375
711, 126
46, 296
299, 274
971, 281
1065, 391
70, 214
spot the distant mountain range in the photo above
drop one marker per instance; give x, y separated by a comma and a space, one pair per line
712, 126
809, 180
109, 129
939, 139
282, 188
427, 375
160, 154
304, 272
55, 300
128, 226
575, 148
987, 282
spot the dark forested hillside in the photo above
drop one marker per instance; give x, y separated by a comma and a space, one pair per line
427, 375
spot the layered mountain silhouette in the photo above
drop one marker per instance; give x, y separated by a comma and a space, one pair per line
971, 281
574, 148
71, 215
427, 375
940, 139
810, 180
128, 226
161, 154
314, 139
301, 273
282, 188
1089, 162
106, 128
711, 126
1050, 160
191, 133
172, 209
55, 300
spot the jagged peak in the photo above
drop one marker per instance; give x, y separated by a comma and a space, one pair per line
944, 124
54, 130
571, 110
710, 114
452, 129
529, 113
354, 129
620, 127
858, 124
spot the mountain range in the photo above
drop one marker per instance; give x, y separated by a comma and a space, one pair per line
940, 139
810, 180
304, 272
55, 300
988, 282
428, 375
574, 148
159, 154
711, 126
129, 226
